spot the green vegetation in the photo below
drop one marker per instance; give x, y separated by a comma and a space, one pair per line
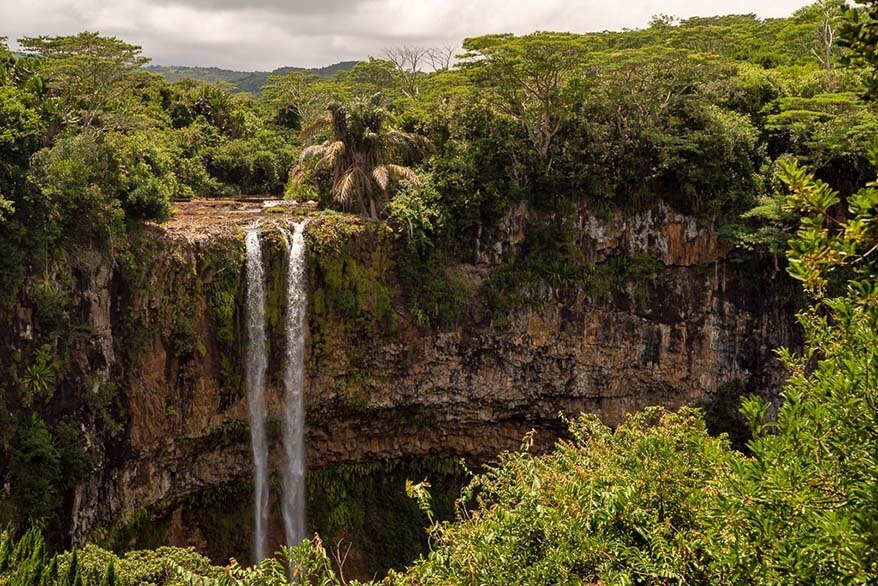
522, 140
365, 505
658, 500
623, 506
349, 303
359, 155
246, 81
550, 265
141, 529
25, 562
221, 270
220, 513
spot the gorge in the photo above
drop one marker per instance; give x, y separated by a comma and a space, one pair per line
380, 389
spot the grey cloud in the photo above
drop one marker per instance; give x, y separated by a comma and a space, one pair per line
293, 7
264, 34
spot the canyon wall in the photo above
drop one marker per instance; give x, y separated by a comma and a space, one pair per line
165, 317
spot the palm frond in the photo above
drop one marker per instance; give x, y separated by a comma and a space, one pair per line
334, 152
353, 183
298, 173
314, 126
381, 176
343, 190
410, 141
400, 172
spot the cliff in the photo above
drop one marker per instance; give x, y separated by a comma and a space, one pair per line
165, 317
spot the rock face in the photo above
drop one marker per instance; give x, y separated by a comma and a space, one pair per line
475, 389
166, 319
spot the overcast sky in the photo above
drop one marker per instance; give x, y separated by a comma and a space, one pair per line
265, 34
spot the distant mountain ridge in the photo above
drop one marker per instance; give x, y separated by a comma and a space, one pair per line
245, 81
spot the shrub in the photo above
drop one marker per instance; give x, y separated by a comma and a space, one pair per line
35, 472
621, 507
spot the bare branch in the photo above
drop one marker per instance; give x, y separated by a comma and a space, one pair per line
407, 61
441, 58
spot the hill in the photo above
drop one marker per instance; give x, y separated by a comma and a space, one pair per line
245, 81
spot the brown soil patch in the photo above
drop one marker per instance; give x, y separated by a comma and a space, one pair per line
200, 219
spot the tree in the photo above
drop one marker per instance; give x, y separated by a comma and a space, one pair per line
527, 78
407, 61
859, 34
78, 180
817, 27
216, 104
647, 127
615, 507
6, 60
441, 58
805, 505
20, 131
831, 13
86, 74
359, 154
370, 77
298, 97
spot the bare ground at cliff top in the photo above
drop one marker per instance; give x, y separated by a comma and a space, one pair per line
197, 219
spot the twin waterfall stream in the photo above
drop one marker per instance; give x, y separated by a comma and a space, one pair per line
256, 366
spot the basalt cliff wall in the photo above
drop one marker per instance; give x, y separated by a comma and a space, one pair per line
165, 314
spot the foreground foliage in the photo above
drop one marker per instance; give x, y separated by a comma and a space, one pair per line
26, 562
623, 506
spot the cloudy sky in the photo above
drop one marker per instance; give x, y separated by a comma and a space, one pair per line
264, 34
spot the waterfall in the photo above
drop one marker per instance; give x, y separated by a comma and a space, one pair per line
293, 472
294, 400
256, 366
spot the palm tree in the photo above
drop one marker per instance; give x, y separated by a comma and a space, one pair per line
363, 154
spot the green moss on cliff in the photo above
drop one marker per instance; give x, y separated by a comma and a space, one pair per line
221, 270
531, 281
274, 258
161, 291
435, 298
638, 276
350, 300
331, 232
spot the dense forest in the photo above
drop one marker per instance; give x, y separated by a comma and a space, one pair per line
763, 129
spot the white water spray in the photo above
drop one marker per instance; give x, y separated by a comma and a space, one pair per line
294, 400
256, 366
